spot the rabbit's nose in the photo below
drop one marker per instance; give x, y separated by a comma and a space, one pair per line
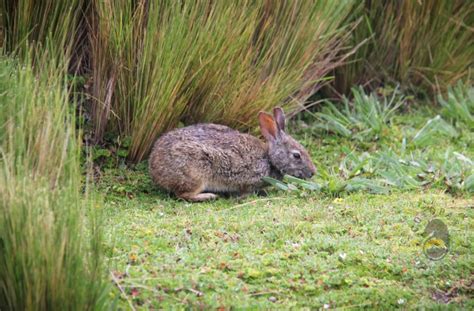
312, 170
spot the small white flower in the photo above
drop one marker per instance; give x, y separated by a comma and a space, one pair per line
326, 306
342, 256
401, 301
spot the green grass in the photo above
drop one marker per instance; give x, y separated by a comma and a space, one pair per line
153, 65
377, 152
48, 26
343, 249
458, 106
365, 117
362, 250
50, 253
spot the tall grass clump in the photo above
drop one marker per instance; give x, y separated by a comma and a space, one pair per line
157, 63
426, 46
47, 25
141, 67
49, 259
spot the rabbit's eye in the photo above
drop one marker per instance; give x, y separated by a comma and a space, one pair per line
296, 155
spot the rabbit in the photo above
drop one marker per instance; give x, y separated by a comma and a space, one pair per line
199, 161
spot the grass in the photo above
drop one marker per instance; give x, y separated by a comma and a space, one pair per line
458, 106
378, 155
50, 236
152, 66
353, 237
305, 248
50, 254
220, 62
365, 117
362, 250
48, 25
426, 46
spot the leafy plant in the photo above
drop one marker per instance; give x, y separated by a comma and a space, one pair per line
458, 107
458, 172
364, 118
435, 126
397, 172
113, 153
384, 171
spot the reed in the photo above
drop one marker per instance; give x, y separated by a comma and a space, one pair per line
50, 238
156, 64
426, 46
49, 26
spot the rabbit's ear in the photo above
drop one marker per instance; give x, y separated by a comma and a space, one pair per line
268, 126
279, 117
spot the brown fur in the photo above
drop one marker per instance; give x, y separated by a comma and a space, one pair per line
198, 161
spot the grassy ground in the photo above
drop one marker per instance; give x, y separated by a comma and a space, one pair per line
290, 249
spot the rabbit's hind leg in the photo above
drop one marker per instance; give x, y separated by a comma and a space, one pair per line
198, 197
193, 191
